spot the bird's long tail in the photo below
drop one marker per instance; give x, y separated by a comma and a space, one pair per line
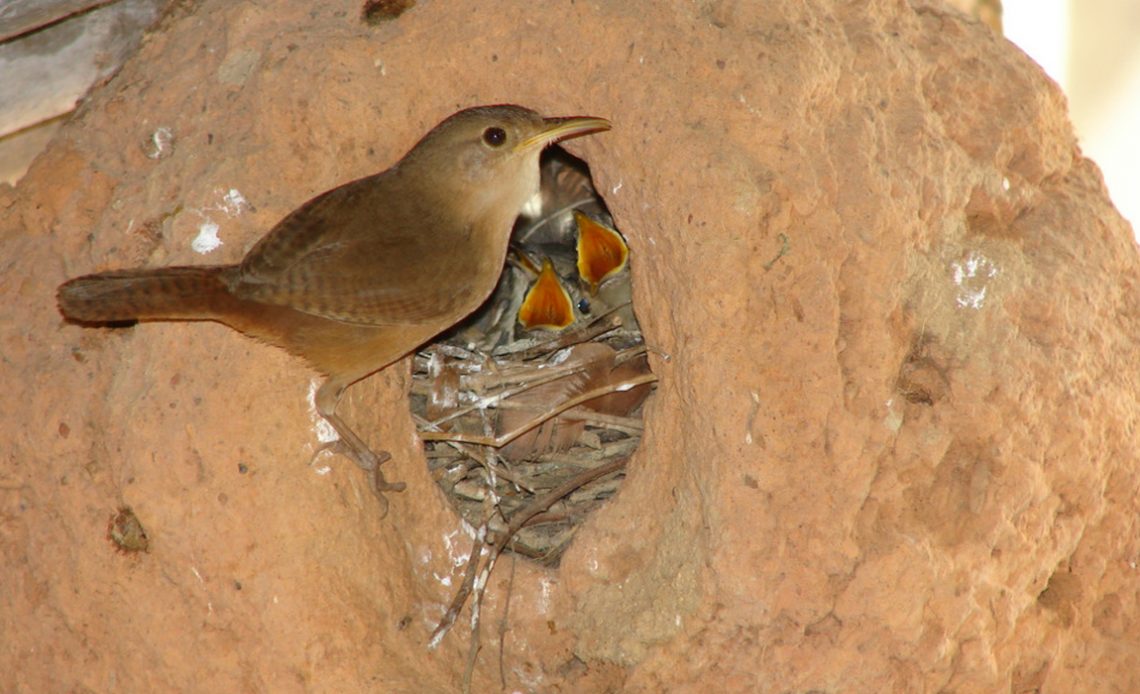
171, 293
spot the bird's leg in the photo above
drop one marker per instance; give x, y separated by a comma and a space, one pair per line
351, 445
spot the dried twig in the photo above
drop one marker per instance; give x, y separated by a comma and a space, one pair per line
503, 439
452, 613
543, 377
518, 520
503, 622
599, 326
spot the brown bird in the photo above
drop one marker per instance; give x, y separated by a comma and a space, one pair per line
361, 275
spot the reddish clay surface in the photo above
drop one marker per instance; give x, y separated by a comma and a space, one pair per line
901, 456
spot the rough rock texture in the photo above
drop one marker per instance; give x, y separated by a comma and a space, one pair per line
902, 456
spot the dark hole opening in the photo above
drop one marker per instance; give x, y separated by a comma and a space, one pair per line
531, 407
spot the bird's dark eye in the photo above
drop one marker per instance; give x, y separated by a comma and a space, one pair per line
584, 306
494, 136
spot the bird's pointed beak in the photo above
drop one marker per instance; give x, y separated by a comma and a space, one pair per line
558, 129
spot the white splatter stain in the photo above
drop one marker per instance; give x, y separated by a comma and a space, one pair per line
971, 277
233, 203
207, 239
321, 427
546, 595
161, 143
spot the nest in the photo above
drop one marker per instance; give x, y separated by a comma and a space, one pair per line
530, 409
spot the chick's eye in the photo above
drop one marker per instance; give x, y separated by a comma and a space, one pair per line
494, 136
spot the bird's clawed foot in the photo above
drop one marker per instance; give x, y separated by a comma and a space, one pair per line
369, 461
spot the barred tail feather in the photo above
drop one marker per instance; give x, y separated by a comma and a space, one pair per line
172, 293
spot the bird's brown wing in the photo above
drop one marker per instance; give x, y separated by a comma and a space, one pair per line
362, 253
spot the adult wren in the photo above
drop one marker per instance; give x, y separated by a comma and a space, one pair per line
361, 275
